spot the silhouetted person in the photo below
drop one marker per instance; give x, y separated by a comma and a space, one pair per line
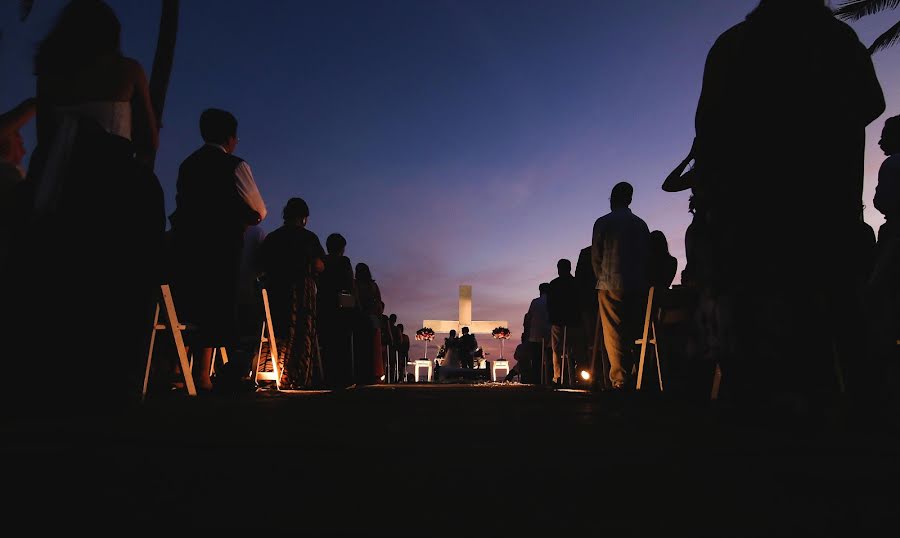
780, 140
538, 333
292, 258
450, 353
403, 347
467, 345
217, 199
698, 236
336, 316
394, 348
93, 119
565, 321
619, 255
368, 295
887, 192
661, 266
586, 282
882, 292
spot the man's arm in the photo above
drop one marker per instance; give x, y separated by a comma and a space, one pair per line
246, 186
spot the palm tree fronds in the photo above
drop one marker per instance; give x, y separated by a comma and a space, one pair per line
25, 7
887, 39
857, 9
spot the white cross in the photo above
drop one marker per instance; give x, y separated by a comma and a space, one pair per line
465, 318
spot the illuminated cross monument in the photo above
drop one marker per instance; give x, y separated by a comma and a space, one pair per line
465, 318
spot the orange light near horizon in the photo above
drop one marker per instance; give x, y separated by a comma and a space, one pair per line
585, 375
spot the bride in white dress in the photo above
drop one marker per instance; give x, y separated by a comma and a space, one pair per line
92, 212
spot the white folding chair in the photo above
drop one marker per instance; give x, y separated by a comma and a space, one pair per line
649, 337
266, 336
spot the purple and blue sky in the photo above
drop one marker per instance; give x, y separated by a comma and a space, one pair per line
449, 141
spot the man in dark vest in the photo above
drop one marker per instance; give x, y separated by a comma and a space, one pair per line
217, 199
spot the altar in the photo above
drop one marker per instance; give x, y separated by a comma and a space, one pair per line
483, 369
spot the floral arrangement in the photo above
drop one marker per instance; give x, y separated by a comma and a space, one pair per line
425, 333
501, 333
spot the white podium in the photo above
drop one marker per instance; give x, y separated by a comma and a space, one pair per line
422, 368
499, 366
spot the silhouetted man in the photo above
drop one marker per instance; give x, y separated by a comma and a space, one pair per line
538, 332
565, 321
619, 255
467, 346
403, 347
217, 199
781, 120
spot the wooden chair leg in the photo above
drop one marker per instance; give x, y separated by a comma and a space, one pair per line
643, 341
656, 350
150, 352
175, 327
717, 381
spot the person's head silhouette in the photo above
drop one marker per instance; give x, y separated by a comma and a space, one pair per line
335, 243
219, 127
400, 327
465, 331
890, 136
620, 197
658, 242
296, 212
392, 318
85, 31
363, 273
544, 288
452, 333
564, 267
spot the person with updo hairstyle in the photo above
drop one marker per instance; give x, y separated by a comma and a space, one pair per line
292, 258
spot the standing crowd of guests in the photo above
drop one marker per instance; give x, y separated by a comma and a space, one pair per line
786, 289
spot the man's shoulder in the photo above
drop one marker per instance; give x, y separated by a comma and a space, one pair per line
237, 161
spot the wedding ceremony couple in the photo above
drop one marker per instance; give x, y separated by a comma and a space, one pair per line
459, 351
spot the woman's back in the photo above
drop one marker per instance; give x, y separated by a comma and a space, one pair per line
82, 73
369, 296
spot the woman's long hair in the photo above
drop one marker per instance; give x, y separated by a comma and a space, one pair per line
363, 274
85, 30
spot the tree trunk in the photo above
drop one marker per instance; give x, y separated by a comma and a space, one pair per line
164, 58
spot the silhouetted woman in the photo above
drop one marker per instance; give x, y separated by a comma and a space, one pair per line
661, 266
368, 297
93, 213
292, 257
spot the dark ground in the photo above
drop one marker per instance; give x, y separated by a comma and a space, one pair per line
436, 460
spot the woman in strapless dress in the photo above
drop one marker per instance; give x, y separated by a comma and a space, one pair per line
92, 212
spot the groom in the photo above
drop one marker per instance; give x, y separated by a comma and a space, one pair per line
468, 345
